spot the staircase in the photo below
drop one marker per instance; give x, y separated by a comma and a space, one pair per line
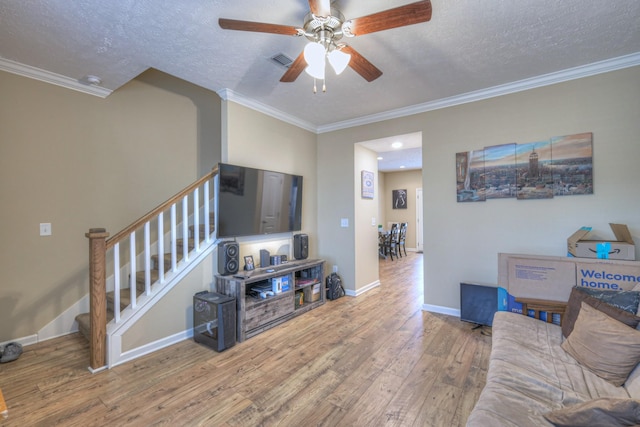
84, 319
149, 271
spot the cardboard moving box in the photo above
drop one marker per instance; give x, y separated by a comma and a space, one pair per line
552, 277
623, 248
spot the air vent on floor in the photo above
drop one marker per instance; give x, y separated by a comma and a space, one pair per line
282, 59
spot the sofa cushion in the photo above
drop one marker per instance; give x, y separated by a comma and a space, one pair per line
579, 295
530, 375
598, 412
607, 347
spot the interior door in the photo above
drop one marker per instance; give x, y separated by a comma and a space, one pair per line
272, 188
419, 243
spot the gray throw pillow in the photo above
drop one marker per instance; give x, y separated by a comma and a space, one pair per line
624, 300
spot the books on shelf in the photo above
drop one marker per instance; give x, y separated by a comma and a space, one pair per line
304, 282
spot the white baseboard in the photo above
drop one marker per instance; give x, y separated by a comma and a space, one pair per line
442, 310
65, 323
362, 290
24, 341
153, 346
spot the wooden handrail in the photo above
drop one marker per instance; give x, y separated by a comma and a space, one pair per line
161, 208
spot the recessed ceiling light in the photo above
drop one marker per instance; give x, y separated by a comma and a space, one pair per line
401, 167
379, 157
396, 144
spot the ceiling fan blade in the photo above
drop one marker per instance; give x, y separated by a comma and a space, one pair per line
320, 7
361, 65
295, 69
409, 14
258, 27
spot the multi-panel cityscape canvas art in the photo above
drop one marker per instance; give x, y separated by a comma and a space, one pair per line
560, 166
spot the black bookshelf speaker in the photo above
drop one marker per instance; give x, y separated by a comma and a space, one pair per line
300, 246
214, 320
228, 257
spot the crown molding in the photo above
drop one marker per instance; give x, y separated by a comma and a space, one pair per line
230, 95
492, 92
52, 78
595, 68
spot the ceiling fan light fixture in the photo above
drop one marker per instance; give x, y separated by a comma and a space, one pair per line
316, 71
338, 60
314, 54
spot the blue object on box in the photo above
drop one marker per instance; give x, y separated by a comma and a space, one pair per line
503, 299
603, 249
285, 283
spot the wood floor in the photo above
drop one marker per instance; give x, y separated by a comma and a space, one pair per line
374, 360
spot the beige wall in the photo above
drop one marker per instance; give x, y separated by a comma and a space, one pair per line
405, 180
79, 161
256, 140
365, 224
462, 240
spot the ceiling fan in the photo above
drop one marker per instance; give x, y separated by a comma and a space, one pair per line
325, 26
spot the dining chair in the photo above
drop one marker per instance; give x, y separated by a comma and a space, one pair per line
387, 243
402, 238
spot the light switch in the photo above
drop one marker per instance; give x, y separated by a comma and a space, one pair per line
45, 229
373, 221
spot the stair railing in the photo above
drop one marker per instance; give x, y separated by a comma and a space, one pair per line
106, 269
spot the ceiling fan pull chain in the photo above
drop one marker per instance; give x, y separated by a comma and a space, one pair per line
315, 88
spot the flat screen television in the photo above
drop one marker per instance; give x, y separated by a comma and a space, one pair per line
254, 202
478, 303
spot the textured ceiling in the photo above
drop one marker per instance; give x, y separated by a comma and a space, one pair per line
468, 46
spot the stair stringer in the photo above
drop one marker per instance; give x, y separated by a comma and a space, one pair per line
129, 316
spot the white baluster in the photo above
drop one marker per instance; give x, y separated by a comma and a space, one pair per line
132, 271
196, 219
207, 225
161, 247
185, 228
147, 259
174, 236
116, 279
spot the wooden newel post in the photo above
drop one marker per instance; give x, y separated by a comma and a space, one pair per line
98, 295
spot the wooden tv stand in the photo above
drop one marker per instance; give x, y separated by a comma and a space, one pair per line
256, 314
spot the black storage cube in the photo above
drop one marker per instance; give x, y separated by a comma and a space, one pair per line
214, 320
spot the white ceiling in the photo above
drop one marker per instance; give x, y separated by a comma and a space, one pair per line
471, 49
407, 156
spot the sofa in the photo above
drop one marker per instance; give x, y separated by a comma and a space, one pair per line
581, 372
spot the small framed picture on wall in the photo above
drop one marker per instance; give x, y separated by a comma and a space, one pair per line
399, 199
367, 185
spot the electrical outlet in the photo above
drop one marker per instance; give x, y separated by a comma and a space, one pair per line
344, 222
45, 229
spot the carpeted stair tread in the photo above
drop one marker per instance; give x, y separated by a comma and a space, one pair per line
84, 322
167, 261
180, 244
125, 298
202, 230
140, 279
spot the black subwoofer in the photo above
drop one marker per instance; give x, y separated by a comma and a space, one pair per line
300, 246
214, 320
228, 257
